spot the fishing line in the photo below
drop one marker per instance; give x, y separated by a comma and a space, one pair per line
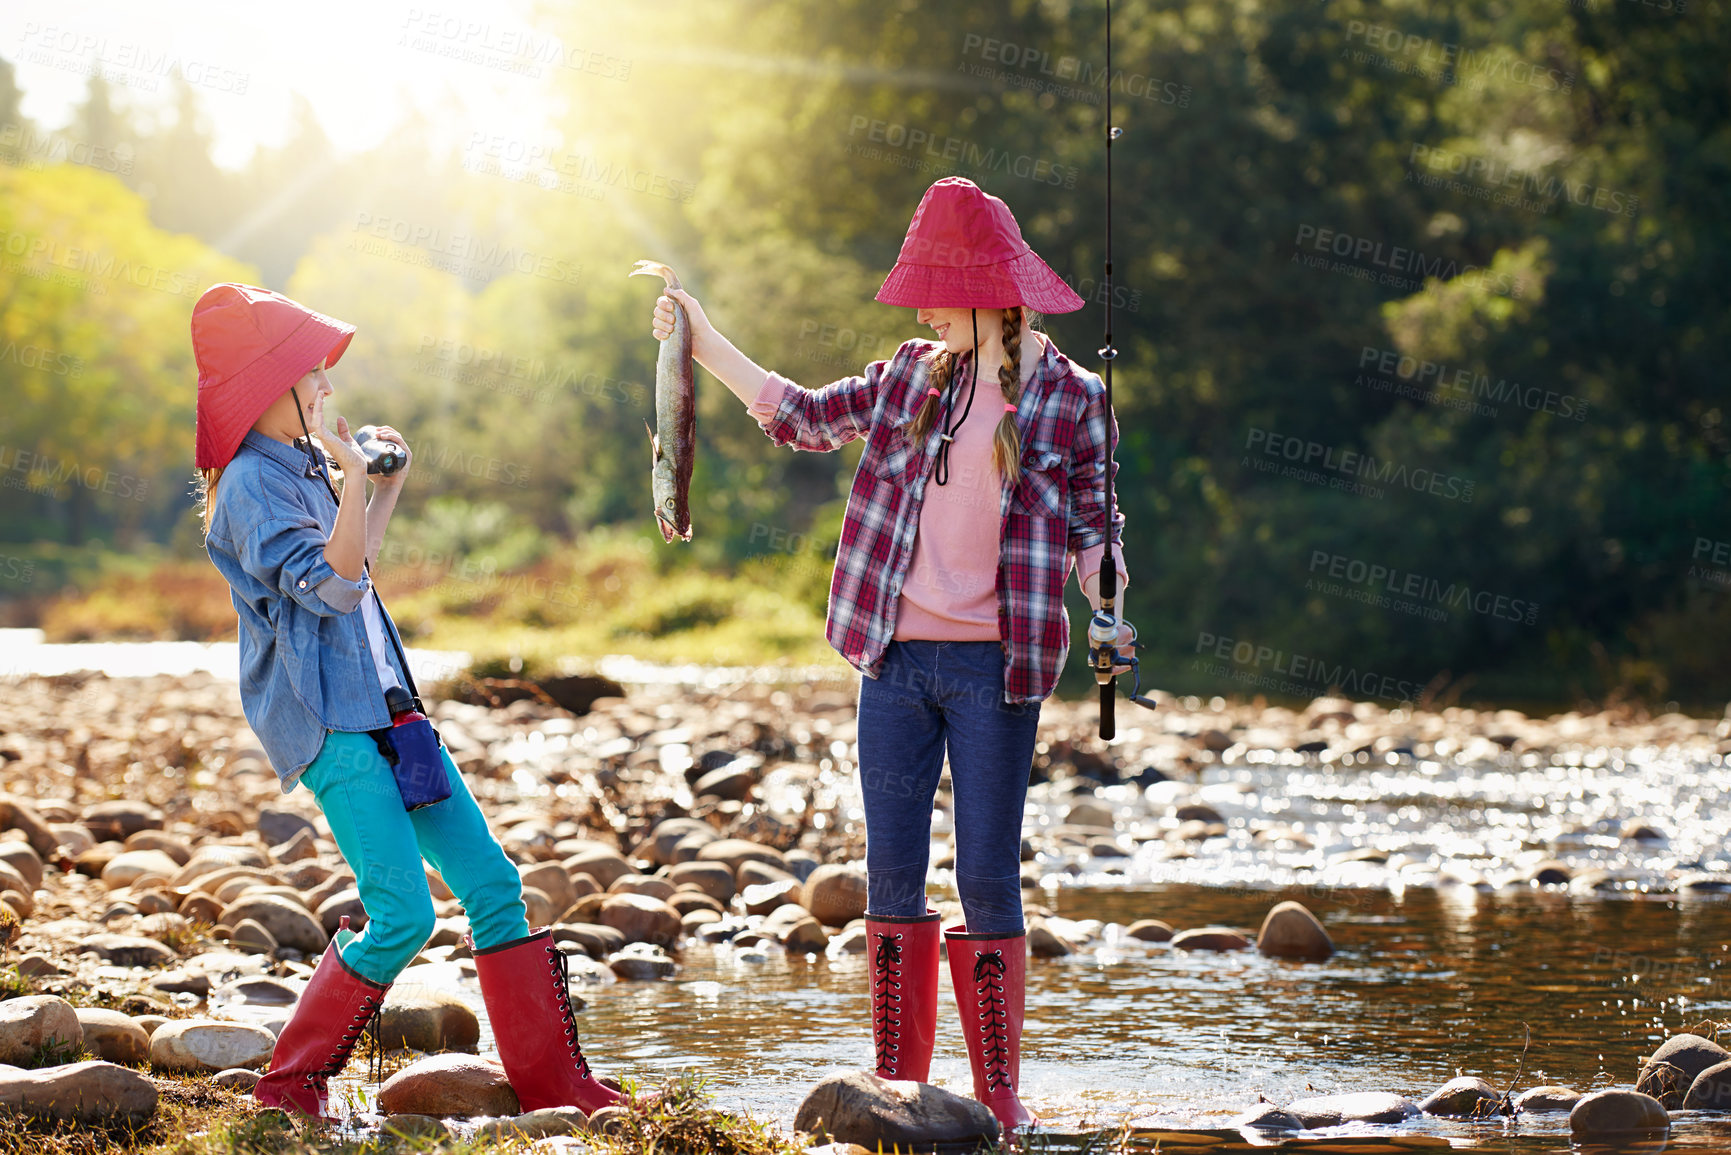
941, 471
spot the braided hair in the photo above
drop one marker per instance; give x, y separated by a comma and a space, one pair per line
1007, 440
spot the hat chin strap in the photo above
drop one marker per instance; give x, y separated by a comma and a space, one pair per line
941, 470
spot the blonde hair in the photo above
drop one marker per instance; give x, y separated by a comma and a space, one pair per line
207, 479
1007, 439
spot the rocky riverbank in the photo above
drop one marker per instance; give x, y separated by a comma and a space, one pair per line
163, 901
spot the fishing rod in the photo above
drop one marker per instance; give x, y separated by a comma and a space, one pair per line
1103, 653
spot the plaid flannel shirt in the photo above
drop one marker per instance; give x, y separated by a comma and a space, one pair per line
1057, 508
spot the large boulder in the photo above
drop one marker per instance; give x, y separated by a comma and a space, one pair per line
90, 1092
206, 1046
1667, 1073
447, 1085
641, 918
1291, 931
290, 923
427, 1019
1613, 1112
113, 1036
858, 1107
31, 1023
836, 894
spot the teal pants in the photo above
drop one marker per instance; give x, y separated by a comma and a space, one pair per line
384, 845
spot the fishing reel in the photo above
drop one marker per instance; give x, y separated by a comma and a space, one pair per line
1104, 656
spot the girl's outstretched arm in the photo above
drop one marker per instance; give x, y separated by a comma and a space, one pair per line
714, 352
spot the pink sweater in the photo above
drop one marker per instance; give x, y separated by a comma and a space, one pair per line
950, 593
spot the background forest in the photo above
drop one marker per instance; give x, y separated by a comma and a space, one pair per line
1422, 310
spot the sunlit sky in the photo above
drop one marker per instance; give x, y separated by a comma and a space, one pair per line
363, 64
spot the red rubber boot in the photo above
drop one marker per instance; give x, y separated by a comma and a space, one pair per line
904, 978
528, 1002
990, 973
330, 1018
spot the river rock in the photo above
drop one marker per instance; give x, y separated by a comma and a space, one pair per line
290, 923
596, 940
1463, 1098
121, 818
1210, 938
1150, 930
129, 865
687, 900
237, 1079
752, 873
641, 918
642, 884
256, 991
642, 962
766, 896
551, 879
127, 950
31, 1022
1267, 1117
113, 1036
252, 937
427, 1019
1613, 1111
297, 849
200, 907
729, 783
407, 1126
671, 833
1711, 1090
858, 1107
1291, 931
206, 1046
1044, 942
1667, 1073
603, 865
734, 851
276, 825
713, 878
86, 1092
542, 1124
1361, 1107
449, 1085
1547, 1099
796, 930
21, 857
836, 894
1089, 812
20, 814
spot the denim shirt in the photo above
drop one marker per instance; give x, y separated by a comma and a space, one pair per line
305, 666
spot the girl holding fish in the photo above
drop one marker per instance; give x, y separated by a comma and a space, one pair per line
981, 487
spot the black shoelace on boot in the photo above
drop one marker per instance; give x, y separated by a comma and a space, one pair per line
562, 985
886, 991
994, 1024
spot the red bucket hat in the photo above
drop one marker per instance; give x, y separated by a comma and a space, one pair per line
964, 251
251, 345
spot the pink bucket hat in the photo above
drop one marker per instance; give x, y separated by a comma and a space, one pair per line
251, 345
964, 251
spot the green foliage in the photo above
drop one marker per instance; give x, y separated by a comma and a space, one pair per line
509, 345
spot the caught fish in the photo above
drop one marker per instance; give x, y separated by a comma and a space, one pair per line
673, 441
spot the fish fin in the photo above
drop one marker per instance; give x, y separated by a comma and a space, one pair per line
656, 269
654, 443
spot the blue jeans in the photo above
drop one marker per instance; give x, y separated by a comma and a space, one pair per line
929, 699
384, 845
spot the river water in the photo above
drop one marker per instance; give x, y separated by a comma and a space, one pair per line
1418, 864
